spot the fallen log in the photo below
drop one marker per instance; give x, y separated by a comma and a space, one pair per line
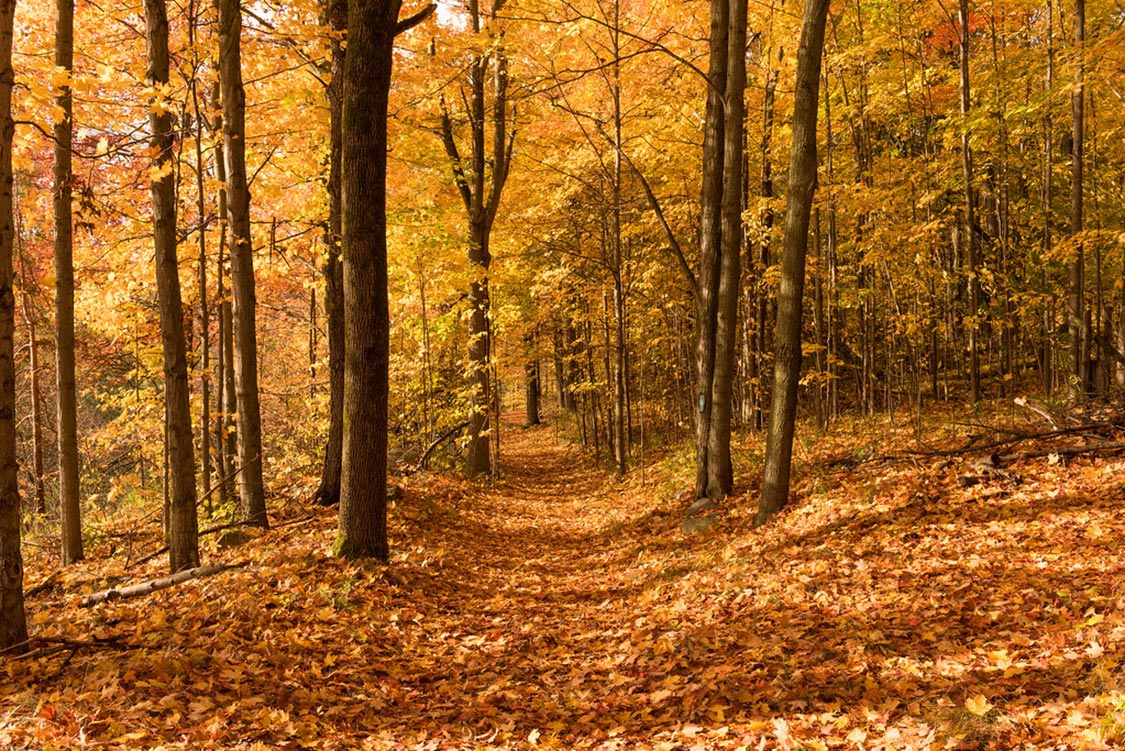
153, 585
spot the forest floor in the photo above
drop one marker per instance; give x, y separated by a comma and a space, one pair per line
889, 607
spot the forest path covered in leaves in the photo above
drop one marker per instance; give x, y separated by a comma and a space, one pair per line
890, 607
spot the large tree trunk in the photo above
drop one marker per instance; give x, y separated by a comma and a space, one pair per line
182, 524
69, 500
710, 234
720, 470
13, 623
328, 493
802, 184
367, 82
250, 485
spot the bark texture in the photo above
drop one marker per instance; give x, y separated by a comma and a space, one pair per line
183, 525
13, 623
69, 499
250, 485
328, 493
798, 206
367, 82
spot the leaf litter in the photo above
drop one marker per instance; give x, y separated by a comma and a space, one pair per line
889, 607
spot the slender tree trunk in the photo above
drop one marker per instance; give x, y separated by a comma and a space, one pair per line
328, 493
228, 403
182, 524
710, 238
481, 198
720, 471
802, 184
250, 484
69, 498
36, 387
13, 623
972, 239
204, 310
532, 388
1076, 305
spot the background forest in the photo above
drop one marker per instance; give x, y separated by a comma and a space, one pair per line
904, 292
586, 204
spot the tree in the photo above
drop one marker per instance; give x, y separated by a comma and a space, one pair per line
13, 623
372, 26
1076, 283
798, 206
69, 504
328, 493
481, 197
183, 529
720, 238
250, 483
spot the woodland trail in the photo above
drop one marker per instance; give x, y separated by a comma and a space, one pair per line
889, 607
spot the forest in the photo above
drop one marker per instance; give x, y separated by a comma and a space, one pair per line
599, 374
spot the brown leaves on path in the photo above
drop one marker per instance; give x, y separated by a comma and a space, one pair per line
890, 608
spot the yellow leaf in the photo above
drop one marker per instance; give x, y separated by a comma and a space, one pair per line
533, 737
978, 705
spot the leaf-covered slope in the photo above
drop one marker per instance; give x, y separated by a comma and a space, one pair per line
890, 608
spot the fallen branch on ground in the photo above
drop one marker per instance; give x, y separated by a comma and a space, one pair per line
153, 585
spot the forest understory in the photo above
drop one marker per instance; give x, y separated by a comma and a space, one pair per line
901, 601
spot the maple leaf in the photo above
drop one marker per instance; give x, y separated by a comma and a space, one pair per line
978, 705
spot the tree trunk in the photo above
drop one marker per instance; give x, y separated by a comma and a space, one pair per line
36, 387
720, 471
972, 239
1079, 382
204, 310
481, 198
710, 238
328, 493
228, 403
13, 623
250, 484
182, 524
802, 184
69, 500
367, 82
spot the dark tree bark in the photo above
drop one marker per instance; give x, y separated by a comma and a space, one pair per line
367, 81
328, 493
69, 501
802, 184
250, 485
13, 623
182, 524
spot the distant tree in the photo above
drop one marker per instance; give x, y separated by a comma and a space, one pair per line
13, 623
